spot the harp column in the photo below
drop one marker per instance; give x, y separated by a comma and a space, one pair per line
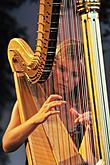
88, 10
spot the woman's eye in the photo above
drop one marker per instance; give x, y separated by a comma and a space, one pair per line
62, 69
75, 74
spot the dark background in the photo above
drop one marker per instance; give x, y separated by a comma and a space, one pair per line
18, 19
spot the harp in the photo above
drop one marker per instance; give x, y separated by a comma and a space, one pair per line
57, 140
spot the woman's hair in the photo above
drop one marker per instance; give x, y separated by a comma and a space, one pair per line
72, 49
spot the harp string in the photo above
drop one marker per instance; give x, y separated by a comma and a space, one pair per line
66, 90
83, 82
104, 102
66, 94
67, 29
53, 121
101, 91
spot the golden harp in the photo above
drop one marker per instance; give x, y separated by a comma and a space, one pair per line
55, 141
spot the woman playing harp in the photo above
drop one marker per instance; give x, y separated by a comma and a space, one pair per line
62, 120
17, 132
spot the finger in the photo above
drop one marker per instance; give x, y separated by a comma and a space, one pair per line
80, 119
55, 103
53, 97
76, 120
88, 121
83, 120
49, 113
88, 113
74, 112
87, 116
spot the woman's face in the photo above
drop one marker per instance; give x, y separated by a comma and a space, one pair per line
67, 73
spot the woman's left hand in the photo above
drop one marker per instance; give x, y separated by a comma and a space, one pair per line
85, 118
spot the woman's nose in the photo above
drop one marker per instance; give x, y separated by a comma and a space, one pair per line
66, 77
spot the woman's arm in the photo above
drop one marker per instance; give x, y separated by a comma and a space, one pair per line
16, 133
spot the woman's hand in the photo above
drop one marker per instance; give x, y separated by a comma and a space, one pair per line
18, 132
85, 118
48, 108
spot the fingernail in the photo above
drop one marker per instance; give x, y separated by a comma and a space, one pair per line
75, 121
64, 102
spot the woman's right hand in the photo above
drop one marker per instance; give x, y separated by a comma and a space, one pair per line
48, 108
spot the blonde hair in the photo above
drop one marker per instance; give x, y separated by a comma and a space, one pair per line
73, 49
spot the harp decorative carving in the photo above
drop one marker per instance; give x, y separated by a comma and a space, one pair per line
37, 65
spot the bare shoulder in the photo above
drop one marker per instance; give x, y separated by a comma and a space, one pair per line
15, 118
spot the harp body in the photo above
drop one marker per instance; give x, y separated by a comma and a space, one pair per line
51, 142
